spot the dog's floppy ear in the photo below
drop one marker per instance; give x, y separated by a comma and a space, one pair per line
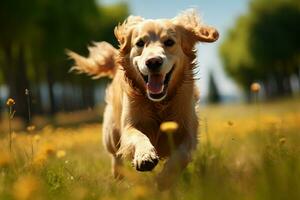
190, 21
123, 31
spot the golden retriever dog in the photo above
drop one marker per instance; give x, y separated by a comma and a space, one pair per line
152, 82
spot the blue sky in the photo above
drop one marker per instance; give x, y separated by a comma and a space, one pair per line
220, 14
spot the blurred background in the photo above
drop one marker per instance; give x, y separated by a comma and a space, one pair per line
259, 43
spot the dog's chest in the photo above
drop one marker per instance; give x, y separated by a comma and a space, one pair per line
152, 118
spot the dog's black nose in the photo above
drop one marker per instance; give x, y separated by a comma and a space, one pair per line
154, 64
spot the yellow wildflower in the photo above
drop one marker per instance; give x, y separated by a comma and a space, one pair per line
169, 127
40, 160
255, 87
37, 138
49, 150
10, 102
42, 156
26, 187
46, 151
60, 154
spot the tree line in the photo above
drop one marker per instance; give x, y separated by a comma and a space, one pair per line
264, 46
33, 38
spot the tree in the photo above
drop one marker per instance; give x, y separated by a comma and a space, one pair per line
16, 21
264, 45
213, 92
33, 38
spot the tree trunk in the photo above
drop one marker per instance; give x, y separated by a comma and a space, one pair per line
36, 92
287, 86
1, 109
280, 90
298, 75
22, 84
50, 82
88, 96
16, 79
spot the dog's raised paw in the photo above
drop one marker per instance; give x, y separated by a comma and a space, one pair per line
145, 161
147, 165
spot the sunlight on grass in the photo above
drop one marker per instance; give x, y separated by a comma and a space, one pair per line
243, 154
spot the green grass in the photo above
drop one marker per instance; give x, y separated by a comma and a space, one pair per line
244, 153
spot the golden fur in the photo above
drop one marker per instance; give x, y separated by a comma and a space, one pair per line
132, 117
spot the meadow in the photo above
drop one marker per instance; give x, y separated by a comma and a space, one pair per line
245, 151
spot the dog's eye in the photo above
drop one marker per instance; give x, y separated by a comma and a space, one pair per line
140, 43
169, 42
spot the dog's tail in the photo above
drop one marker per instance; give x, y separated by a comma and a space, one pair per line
101, 61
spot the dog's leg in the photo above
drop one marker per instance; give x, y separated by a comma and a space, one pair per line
111, 138
138, 145
116, 163
173, 166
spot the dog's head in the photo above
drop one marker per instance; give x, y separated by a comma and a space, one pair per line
157, 54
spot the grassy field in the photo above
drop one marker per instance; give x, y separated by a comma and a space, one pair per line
245, 152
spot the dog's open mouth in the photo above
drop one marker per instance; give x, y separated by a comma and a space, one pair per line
157, 84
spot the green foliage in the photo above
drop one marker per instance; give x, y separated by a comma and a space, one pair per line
235, 53
34, 36
275, 34
110, 17
264, 43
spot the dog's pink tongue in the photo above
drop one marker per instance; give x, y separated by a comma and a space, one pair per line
155, 83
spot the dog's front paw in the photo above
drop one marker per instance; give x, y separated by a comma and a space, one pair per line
145, 160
